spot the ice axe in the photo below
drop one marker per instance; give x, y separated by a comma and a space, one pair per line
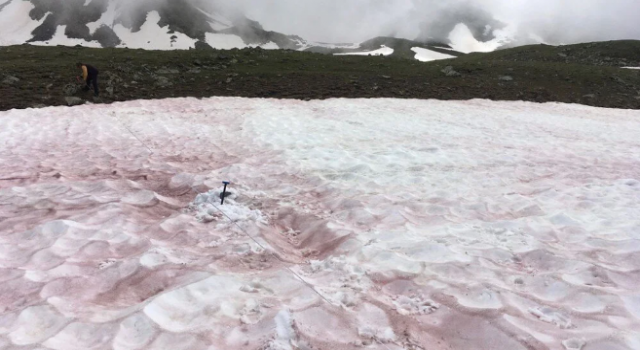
224, 192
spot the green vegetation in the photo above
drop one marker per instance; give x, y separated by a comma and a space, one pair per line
32, 76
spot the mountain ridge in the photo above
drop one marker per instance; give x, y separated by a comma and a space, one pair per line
178, 24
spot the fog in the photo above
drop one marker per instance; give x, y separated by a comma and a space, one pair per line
342, 21
555, 21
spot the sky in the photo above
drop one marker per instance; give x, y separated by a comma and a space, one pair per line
356, 20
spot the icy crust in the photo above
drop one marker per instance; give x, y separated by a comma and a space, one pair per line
351, 224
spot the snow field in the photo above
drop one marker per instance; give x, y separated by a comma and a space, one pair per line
382, 51
426, 55
15, 24
424, 224
153, 37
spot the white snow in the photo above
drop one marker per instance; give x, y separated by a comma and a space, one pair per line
426, 55
153, 37
230, 41
224, 41
59, 38
15, 23
335, 46
382, 51
631, 67
462, 40
270, 46
515, 222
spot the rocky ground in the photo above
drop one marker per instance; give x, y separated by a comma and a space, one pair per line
32, 76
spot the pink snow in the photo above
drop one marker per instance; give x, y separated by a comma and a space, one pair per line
351, 224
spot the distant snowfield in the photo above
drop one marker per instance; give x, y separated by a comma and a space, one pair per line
153, 37
230, 41
382, 51
462, 40
426, 55
631, 67
15, 24
414, 224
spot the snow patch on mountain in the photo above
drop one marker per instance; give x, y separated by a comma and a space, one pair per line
152, 35
15, 24
224, 41
462, 40
426, 55
382, 51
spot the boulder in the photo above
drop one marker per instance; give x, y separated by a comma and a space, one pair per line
163, 82
70, 89
450, 72
73, 101
10, 80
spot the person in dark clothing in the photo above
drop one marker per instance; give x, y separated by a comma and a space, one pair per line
90, 76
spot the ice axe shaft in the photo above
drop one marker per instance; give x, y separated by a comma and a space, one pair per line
224, 192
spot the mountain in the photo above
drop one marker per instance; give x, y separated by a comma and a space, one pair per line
480, 23
175, 24
204, 24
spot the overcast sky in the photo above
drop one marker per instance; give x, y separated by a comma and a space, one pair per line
357, 20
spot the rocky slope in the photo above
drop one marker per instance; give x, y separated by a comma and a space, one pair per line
588, 74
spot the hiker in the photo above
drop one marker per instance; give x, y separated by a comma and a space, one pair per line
90, 76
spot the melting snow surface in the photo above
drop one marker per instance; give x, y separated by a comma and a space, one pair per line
426, 55
415, 222
382, 51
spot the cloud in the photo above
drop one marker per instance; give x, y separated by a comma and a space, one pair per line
556, 21
552, 21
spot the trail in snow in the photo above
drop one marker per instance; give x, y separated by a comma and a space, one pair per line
421, 224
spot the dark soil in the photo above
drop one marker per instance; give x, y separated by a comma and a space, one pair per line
32, 76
